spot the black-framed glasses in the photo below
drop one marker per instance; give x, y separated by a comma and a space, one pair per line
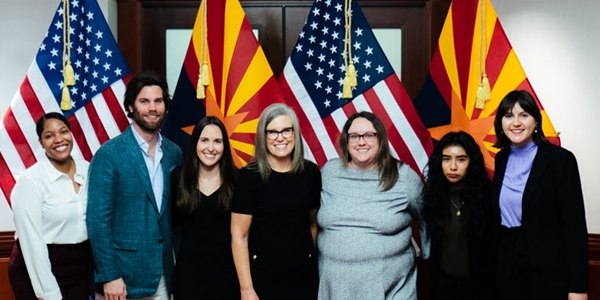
367, 136
274, 134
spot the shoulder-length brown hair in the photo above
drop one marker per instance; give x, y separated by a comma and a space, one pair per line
387, 165
529, 105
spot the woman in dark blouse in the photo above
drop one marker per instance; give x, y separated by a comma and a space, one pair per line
202, 193
457, 200
273, 223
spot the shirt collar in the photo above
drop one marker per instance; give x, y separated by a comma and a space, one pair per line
54, 174
143, 144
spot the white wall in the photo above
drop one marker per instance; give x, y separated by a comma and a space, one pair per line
555, 40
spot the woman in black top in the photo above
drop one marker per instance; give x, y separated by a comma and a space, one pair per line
202, 193
273, 221
457, 205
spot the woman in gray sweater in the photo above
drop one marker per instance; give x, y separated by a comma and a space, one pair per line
368, 201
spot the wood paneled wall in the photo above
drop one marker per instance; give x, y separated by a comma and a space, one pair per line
143, 24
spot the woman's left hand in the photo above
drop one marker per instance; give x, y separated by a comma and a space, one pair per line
577, 296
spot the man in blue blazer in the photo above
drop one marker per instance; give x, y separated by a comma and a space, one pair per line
128, 212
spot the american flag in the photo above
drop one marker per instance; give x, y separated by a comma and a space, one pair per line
312, 83
100, 77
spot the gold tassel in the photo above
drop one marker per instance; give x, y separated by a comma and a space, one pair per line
69, 75
200, 89
351, 73
483, 92
204, 75
65, 103
347, 88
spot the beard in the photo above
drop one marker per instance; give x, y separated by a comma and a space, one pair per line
147, 126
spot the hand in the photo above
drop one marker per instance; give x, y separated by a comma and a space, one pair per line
249, 295
577, 296
115, 290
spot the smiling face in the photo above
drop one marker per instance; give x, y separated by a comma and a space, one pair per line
455, 163
280, 147
210, 146
148, 110
363, 153
518, 126
57, 141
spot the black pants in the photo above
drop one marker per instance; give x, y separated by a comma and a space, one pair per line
516, 279
71, 266
449, 287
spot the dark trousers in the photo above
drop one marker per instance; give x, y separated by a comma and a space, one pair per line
71, 266
449, 287
517, 280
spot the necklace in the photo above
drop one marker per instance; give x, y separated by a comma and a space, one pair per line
457, 207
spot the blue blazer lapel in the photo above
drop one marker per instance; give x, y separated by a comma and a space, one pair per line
134, 155
167, 164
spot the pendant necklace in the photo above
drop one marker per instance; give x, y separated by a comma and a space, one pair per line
457, 207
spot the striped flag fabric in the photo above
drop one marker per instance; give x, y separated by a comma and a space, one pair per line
100, 74
241, 82
312, 83
472, 43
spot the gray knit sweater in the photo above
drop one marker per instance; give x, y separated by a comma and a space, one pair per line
365, 234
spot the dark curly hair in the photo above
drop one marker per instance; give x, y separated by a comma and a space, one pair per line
475, 191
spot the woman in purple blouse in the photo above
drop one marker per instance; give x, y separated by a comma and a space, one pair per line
542, 234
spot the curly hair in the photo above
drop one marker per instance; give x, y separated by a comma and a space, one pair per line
475, 191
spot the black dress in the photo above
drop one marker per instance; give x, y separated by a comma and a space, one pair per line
283, 260
204, 266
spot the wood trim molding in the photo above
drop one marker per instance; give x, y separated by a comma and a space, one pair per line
7, 240
594, 248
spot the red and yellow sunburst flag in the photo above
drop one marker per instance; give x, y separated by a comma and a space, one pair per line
472, 69
225, 74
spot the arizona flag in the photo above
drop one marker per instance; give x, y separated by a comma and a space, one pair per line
313, 78
100, 74
240, 80
472, 43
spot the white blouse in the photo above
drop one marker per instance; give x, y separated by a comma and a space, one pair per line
47, 210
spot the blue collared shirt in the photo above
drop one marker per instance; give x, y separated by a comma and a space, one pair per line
153, 164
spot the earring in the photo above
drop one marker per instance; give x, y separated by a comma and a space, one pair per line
535, 130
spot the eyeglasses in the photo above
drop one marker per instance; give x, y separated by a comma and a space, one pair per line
367, 136
274, 134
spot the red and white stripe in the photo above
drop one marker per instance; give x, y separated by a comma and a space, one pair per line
100, 119
409, 140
